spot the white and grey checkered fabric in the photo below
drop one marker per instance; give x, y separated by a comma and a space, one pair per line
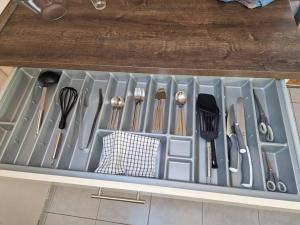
129, 154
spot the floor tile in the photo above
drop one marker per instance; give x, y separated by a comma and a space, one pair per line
295, 94
217, 214
278, 218
106, 223
122, 212
74, 201
165, 211
56, 219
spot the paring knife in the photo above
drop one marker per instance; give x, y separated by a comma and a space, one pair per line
245, 157
233, 147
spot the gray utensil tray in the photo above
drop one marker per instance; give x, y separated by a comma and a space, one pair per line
182, 159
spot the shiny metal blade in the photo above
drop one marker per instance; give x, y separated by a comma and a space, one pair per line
230, 120
241, 118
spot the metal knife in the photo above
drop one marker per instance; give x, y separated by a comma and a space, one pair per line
247, 169
233, 147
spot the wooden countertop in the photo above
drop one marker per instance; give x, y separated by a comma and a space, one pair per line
199, 37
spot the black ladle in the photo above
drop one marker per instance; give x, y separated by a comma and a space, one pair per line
45, 79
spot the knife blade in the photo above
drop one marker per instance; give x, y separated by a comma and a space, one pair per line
233, 148
247, 169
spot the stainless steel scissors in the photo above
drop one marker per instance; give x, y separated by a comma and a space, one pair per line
272, 182
263, 123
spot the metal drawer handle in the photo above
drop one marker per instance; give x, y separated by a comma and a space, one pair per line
131, 200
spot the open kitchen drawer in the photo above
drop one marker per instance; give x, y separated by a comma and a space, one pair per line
182, 159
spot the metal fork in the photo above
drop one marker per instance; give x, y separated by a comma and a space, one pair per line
139, 96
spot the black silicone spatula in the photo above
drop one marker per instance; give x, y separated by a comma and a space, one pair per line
208, 112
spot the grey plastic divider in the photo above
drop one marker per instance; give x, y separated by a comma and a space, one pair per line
235, 88
182, 159
280, 162
78, 158
13, 100
214, 87
98, 147
5, 133
187, 86
138, 81
266, 91
27, 123
158, 82
30, 140
44, 147
118, 85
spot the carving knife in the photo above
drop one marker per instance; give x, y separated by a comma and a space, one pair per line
247, 179
233, 147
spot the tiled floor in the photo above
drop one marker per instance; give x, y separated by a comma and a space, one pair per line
73, 206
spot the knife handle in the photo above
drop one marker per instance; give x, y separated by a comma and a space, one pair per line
249, 183
214, 163
233, 151
240, 138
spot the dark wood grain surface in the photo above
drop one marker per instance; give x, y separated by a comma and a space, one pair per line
199, 37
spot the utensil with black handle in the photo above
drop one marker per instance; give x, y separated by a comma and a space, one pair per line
208, 113
233, 147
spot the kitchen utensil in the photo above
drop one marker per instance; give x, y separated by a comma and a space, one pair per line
45, 79
67, 99
139, 95
114, 104
246, 156
100, 102
272, 181
180, 98
264, 127
49, 10
120, 106
233, 148
158, 118
99, 4
83, 104
208, 112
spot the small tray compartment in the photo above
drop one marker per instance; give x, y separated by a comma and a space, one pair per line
76, 157
266, 91
5, 133
98, 146
187, 86
117, 86
158, 82
180, 170
138, 81
46, 142
219, 176
281, 164
181, 147
235, 88
20, 87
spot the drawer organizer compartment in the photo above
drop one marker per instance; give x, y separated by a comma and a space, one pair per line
182, 160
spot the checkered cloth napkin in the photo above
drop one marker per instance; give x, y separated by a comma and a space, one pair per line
129, 154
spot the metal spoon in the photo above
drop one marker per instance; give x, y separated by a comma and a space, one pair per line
139, 95
120, 106
114, 103
180, 98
